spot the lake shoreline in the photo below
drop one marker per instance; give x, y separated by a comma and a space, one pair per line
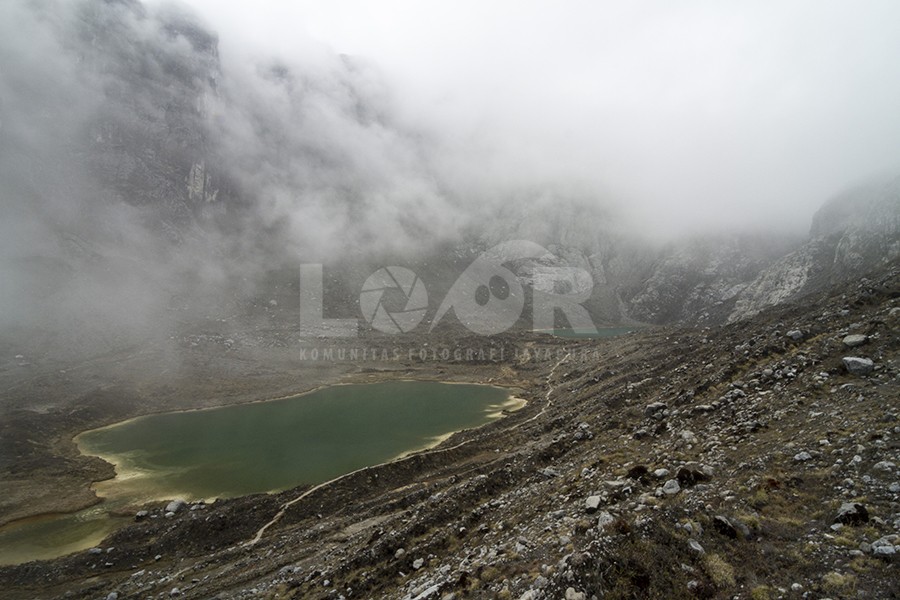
509, 405
498, 411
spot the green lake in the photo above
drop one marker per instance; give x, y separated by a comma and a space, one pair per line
259, 447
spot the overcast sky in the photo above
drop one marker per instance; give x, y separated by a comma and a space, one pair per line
735, 114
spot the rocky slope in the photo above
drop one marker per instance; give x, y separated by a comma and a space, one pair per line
754, 460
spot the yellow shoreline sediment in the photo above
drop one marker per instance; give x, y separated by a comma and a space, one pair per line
103, 488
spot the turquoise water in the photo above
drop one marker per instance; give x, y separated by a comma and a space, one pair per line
250, 448
276, 445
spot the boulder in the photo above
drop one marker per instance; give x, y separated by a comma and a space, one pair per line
688, 476
654, 408
671, 487
858, 366
854, 340
852, 513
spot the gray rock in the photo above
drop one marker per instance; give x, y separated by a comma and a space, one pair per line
604, 519
885, 551
802, 456
654, 408
854, 340
858, 366
852, 513
112, 596
671, 487
175, 505
661, 473
418, 563
428, 592
695, 546
592, 503
795, 334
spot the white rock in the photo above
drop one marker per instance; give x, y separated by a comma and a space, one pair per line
671, 487
604, 519
571, 594
851, 341
428, 592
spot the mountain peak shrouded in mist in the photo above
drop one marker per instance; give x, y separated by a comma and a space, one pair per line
153, 165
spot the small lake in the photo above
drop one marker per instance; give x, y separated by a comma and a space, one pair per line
259, 447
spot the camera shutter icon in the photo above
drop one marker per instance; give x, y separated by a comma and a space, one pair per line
387, 280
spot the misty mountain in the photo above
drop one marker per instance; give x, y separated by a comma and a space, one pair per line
854, 233
148, 181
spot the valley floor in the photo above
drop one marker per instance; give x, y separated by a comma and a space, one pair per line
741, 461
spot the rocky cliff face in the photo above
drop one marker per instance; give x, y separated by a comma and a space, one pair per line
142, 179
713, 279
852, 234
